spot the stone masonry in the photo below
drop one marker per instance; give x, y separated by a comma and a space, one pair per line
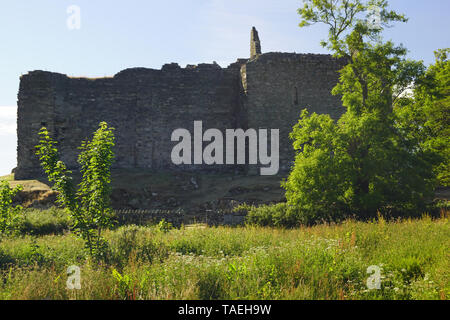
255, 44
145, 106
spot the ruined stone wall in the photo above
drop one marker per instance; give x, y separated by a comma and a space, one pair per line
36, 108
143, 105
278, 86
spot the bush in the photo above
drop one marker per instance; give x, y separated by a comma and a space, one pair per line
278, 215
10, 218
90, 205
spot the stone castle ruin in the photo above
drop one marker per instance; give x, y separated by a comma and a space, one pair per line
146, 105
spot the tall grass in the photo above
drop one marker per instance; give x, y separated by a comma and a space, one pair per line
321, 262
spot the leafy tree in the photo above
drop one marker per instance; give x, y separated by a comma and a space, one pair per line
10, 217
361, 164
90, 205
425, 115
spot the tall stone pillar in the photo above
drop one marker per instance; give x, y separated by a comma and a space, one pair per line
255, 44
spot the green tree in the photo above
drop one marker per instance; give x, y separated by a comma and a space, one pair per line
425, 114
362, 164
90, 205
10, 217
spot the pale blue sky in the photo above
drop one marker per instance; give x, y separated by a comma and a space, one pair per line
115, 35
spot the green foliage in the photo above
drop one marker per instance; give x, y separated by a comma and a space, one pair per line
320, 262
317, 183
134, 242
164, 226
90, 206
44, 222
363, 164
357, 166
95, 188
10, 218
56, 171
278, 215
424, 116
341, 15
43, 251
123, 283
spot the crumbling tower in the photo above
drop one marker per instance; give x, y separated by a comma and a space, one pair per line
146, 106
255, 44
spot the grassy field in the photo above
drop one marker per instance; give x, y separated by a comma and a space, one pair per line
199, 262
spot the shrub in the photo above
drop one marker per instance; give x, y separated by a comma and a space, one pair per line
10, 218
164, 226
90, 206
278, 215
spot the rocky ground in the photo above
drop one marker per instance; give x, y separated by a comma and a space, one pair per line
197, 197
